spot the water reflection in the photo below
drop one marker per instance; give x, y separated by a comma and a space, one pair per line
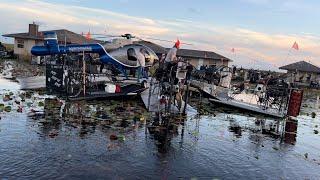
122, 117
73, 140
164, 128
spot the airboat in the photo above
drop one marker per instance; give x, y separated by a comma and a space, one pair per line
269, 98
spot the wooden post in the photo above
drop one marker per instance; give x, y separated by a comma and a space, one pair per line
150, 89
84, 74
186, 98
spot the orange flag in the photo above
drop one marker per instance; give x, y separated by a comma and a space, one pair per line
88, 36
295, 46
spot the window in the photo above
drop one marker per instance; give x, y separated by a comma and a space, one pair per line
20, 43
146, 54
131, 53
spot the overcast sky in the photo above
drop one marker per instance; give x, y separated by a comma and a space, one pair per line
261, 31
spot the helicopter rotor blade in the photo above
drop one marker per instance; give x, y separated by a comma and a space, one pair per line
130, 36
101, 37
105, 35
156, 39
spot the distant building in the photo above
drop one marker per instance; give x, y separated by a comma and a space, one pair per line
302, 72
23, 42
197, 58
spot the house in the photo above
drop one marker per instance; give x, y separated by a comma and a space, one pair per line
23, 42
302, 72
197, 58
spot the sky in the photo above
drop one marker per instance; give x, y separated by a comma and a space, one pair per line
262, 32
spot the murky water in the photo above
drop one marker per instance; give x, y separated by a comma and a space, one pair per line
51, 139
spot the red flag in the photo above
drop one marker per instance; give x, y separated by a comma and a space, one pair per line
177, 44
233, 50
295, 46
88, 35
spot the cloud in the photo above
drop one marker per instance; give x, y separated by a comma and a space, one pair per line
249, 44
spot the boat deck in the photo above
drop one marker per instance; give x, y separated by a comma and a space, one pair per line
249, 107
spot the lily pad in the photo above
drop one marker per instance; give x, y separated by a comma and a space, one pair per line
6, 98
122, 138
40, 104
7, 109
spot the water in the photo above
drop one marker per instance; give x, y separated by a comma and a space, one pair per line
49, 146
8, 85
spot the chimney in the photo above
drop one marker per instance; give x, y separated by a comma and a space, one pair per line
33, 29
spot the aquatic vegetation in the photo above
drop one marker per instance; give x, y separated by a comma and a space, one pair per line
7, 109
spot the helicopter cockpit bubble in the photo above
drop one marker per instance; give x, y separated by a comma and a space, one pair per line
128, 54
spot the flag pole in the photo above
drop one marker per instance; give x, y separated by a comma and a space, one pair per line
290, 50
288, 54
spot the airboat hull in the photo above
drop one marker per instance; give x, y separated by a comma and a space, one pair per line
248, 107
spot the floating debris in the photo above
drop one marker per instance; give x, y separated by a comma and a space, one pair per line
306, 155
53, 133
316, 131
19, 109
113, 137
275, 148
